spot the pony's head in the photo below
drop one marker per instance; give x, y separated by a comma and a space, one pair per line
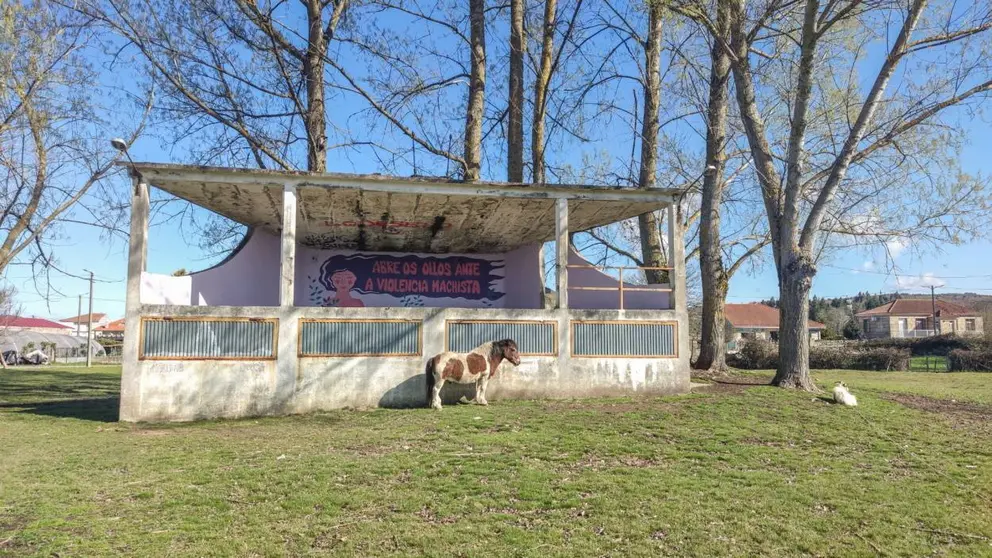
507, 348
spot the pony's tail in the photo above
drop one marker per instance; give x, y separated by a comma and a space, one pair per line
429, 371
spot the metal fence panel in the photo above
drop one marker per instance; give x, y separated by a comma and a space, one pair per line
533, 338
359, 338
624, 339
208, 338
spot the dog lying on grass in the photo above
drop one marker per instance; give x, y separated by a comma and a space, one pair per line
844, 397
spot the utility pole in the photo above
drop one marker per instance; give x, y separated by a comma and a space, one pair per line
79, 316
933, 308
89, 328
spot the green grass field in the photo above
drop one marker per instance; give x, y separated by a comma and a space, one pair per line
729, 471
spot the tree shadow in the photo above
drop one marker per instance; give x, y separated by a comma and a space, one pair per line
83, 395
97, 409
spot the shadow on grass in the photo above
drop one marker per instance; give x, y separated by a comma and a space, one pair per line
105, 409
61, 393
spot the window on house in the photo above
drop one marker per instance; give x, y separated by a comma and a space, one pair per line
969, 324
921, 323
774, 335
866, 326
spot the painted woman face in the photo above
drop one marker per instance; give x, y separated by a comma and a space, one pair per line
343, 281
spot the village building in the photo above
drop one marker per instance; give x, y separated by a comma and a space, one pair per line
112, 330
347, 284
914, 317
80, 324
758, 321
37, 325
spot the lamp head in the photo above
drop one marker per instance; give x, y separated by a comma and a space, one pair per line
119, 144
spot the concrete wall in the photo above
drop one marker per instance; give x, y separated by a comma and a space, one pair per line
161, 390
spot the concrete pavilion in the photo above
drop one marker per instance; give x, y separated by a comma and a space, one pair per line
346, 284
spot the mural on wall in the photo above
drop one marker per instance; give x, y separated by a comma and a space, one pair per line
359, 280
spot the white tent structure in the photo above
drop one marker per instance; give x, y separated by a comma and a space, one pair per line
66, 346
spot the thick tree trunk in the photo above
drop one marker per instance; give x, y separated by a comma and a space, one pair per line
795, 282
515, 129
476, 91
541, 82
652, 253
712, 349
313, 73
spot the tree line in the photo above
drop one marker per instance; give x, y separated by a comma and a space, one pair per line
794, 128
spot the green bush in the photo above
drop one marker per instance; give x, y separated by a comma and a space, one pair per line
937, 345
757, 354
969, 361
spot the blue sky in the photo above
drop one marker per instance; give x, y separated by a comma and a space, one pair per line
958, 268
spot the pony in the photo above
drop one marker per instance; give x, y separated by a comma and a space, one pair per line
844, 397
476, 366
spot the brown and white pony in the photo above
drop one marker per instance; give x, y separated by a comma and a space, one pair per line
476, 366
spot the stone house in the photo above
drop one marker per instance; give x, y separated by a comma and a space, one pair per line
914, 317
758, 321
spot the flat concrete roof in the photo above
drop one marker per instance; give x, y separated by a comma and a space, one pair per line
387, 213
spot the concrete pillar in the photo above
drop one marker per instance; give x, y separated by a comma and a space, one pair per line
136, 264
287, 361
288, 260
676, 277
561, 250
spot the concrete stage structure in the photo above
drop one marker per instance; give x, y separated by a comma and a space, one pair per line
346, 284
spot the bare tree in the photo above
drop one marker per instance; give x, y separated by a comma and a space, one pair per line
475, 110
807, 186
515, 129
54, 147
715, 279
651, 249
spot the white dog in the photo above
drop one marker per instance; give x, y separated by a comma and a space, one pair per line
844, 397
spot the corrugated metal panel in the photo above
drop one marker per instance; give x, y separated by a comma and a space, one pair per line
208, 339
624, 339
359, 338
533, 338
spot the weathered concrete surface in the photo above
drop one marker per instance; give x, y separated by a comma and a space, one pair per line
190, 390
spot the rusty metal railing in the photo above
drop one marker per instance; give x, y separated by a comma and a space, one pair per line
620, 287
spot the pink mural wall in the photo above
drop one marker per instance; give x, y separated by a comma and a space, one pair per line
250, 277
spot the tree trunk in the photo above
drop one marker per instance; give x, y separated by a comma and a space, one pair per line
795, 282
313, 73
515, 129
713, 346
712, 349
651, 250
476, 91
541, 92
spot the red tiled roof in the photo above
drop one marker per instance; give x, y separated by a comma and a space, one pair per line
919, 307
116, 325
84, 318
757, 315
17, 321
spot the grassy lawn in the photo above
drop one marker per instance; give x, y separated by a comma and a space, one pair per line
928, 364
727, 471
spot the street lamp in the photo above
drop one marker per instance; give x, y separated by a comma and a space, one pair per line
120, 145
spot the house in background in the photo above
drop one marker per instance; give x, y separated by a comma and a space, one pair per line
81, 323
758, 321
37, 325
914, 317
113, 330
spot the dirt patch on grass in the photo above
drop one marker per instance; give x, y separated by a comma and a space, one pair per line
731, 386
959, 413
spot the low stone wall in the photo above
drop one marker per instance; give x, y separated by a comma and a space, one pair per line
289, 381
